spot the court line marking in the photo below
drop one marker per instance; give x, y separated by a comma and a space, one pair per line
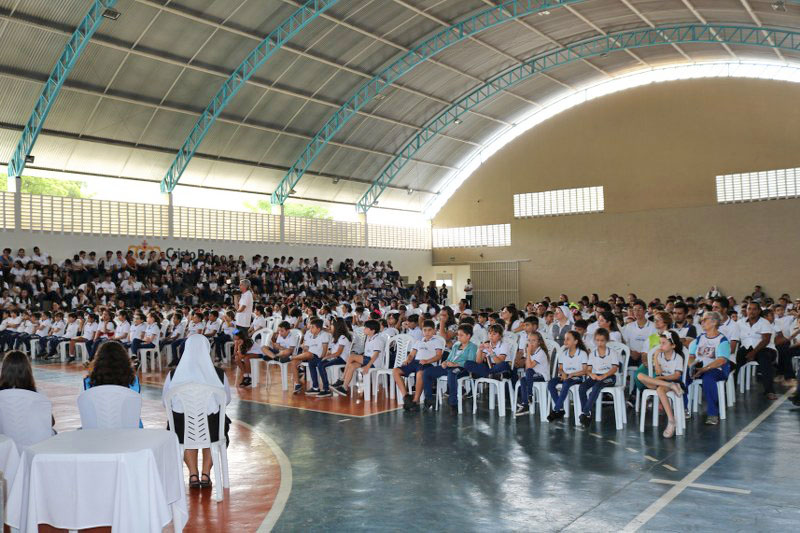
615, 443
702, 486
651, 458
632, 450
285, 487
670, 468
654, 508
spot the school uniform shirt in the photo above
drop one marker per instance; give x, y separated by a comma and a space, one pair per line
259, 322
574, 363
178, 331
153, 330
522, 340
517, 323
390, 332
376, 343
107, 329
670, 366
89, 329
502, 349
287, 342
637, 338
212, 327
542, 367
313, 343
426, 348
751, 334
123, 330
415, 333
72, 330
687, 331
731, 330
708, 349
28, 327
58, 328
44, 327
228, 328
345, 344
136, 331
196, 327
602, 364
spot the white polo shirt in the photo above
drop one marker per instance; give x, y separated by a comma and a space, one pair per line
287, 342
314, 343
542, 363
731, 329
638, 338
670, 366
376, 343
346, 346
602, 363
501, 349
573, 363
415, 333
426, 348
244, 318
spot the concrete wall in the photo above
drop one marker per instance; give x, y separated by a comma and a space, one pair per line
411, 263
656, 150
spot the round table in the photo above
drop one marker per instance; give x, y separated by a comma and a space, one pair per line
129, 479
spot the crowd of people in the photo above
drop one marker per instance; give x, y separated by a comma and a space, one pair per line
150, 300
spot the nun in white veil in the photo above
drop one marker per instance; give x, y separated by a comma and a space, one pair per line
562, 324
195, 366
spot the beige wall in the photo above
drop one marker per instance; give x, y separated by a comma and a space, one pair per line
656, 150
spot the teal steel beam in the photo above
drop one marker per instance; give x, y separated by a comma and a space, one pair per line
488, 18
287, 29
66, 62
626, 40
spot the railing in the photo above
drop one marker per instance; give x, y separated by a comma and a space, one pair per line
57, 214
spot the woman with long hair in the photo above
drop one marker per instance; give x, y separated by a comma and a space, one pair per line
17, 372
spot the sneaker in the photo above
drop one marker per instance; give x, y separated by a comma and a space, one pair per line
670, 431
339, 389
586, 420
453, 410
407, 401
413, 408
630, 403
428, 405
522, 409
552, 416
313, 391
688, 414
712, 420
298, 389
246, 382
467, 395
285, 359
338, 383
325, 394
71, 359
561, 414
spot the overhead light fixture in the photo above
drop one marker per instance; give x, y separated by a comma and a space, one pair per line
111, 14
779, 5
380, 97
410, 191
543, 13
458, 121
335, 181
29, 159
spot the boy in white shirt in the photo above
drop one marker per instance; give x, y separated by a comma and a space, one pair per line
176, 333
195, 326
424, 353
149, 336
603, 366
71, 330
493, 357
89, 329
373, 348
315, 348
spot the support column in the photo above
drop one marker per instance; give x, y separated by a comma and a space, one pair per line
283, 219
18, 202
170, 215
362, 218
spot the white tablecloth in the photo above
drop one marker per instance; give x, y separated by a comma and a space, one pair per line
9, 461
129, 479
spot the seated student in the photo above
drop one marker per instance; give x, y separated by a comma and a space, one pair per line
57, 328
447, 326
105, 331
756, 333
537, 368
412, 327
259, 320
602, 367
195, 327
462, 351
667, 374
112, 366
682, 325
530, 326
8, 334
176, 331
712, 352
87, 334
71, 329
212, 328
373, 348
136, 330
423, 353
581, 326
195, 366
337, 355
26, 329
315, 347
149, 337
389, 326
492, 357
571, 370
225, 334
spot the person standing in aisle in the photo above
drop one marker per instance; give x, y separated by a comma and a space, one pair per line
468, 293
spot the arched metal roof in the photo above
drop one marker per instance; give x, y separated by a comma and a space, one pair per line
143, 80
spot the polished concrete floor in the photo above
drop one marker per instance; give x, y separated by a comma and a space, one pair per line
376, 468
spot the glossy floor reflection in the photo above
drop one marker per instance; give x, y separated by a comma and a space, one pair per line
434, 471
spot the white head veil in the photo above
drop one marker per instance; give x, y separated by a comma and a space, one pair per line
567, 313
195, 365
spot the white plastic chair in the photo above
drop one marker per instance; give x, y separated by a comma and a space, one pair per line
676, 400
297, 337
725, 390
359, 339
63, 350
26, 417
34, 348
195, 398
82, 352
262, 337
151, 357
402, 344
110, 407
747, 374
617, 392
465, 383
479, 336
497, 387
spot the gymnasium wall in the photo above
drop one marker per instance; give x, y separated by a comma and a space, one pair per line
657, 150
411, 263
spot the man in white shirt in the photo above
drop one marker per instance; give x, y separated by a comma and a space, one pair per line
423, 354
244, 313
755, 334
39, 257
727, 327
637, 333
